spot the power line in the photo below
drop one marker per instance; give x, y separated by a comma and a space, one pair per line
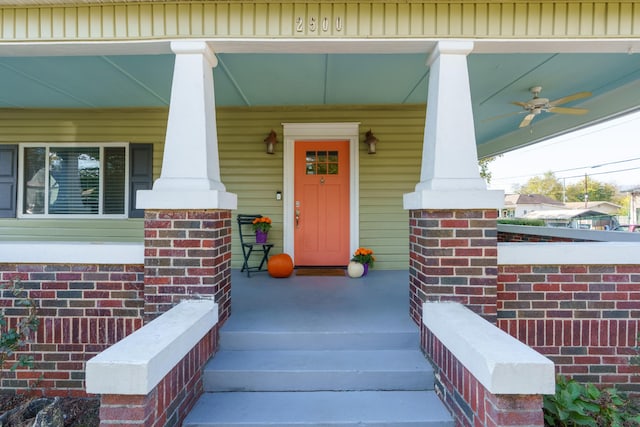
600, 173
576, 168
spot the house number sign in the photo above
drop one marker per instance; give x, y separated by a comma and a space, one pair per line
315, 24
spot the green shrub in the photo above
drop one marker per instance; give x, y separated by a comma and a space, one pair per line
16, 338
521, 221
575, 404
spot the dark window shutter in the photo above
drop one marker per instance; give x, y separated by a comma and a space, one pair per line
8, 180
140, 174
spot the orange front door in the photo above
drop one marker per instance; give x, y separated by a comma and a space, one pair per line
321, 203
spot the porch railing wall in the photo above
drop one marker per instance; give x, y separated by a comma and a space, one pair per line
83, 309
576, 303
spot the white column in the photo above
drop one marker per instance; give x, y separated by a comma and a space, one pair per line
190, 177
450, 177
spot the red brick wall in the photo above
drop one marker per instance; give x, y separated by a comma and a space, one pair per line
469, 402
171, 400
83, 309
453, 257
583, 317
187, 253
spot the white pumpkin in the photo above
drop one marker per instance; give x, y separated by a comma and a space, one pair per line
355, 269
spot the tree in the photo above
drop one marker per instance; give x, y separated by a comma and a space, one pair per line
547, 185
484, 167
597, 191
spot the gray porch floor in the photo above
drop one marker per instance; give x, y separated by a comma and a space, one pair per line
377, 302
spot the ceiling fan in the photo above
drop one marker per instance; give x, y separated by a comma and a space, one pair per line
537, 105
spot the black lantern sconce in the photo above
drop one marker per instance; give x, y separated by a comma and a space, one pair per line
271, 140
371, 141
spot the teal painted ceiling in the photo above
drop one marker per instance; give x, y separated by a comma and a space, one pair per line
497, 80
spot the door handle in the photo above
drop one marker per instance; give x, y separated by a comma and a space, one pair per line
297, 217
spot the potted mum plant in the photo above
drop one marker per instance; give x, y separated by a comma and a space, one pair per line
261, 226
363, 256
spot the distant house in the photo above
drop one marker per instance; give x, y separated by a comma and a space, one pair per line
519, 205
604, 207
524, 205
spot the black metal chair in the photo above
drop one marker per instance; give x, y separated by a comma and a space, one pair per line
249, 245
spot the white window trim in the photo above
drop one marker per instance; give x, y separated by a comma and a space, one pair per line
52, 145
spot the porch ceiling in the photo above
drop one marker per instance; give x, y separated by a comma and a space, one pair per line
283, 79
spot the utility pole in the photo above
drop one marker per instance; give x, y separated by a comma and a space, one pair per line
586, 191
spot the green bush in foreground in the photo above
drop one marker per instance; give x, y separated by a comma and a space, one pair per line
575, 404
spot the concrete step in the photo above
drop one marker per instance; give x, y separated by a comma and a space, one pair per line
321, 340
321, 408
311, 370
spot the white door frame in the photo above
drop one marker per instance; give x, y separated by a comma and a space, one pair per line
320, 132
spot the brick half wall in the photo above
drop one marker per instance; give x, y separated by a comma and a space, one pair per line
583, 317
170, 401
469, 402
83, 309
480, 385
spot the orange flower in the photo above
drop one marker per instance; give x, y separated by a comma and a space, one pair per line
262, 224
364, 256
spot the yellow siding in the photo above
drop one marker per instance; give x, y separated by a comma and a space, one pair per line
76, 230
384, 177
435, 18
99, 125
109, 125
246, 169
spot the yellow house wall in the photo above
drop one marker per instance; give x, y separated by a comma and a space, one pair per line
246, 169
308, 19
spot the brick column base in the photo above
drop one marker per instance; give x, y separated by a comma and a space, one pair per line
453, 257
187, 254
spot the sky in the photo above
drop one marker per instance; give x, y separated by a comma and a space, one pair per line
608, 152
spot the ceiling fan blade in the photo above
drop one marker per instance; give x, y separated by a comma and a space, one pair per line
525, 122
569, 98
564, 110
520, 104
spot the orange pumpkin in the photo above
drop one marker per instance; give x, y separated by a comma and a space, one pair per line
280, 265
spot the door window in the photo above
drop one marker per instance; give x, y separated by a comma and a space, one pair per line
321, 163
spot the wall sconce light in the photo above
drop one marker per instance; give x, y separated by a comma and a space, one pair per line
371, 141
271, 140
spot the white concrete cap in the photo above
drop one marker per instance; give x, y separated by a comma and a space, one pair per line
186, 199
454, 199
72, 252
569, 253
136, 364
501, 363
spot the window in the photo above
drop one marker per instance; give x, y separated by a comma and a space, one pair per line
73, 180
82, 180
321, 163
